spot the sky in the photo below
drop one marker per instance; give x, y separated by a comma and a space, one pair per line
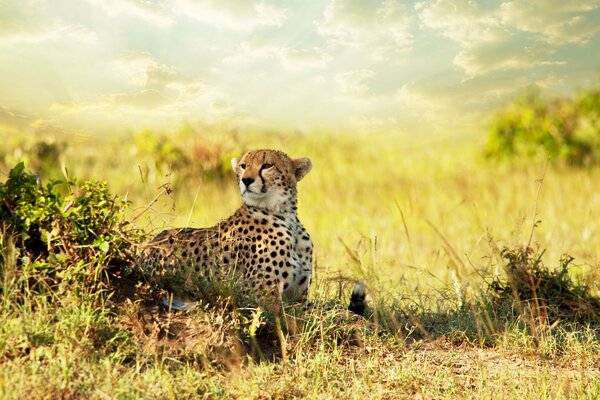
110, 66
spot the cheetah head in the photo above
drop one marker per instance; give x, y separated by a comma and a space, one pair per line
268, 178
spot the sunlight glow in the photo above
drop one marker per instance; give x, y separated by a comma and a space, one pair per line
99, 66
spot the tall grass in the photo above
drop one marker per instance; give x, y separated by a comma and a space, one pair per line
422, 221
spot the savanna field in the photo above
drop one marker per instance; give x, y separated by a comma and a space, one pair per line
455, 155
471, 293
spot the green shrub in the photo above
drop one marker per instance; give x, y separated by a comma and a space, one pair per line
187, 156
78, 236
561, 129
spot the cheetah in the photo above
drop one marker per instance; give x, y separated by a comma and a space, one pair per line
263, 243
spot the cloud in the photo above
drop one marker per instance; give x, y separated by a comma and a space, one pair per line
14, 119
243, 15
382, 30
477, 94
52, 34
302, 58
221, 107
497, 55
463, 21
17, 122
155, 84
270, 59
17, 16
24, 22
485, 44
292, 59
354, 84
510, 35
558, 22
459, 105
252, 50
142, 69
48, 126
158, 13
150, 93
145, 98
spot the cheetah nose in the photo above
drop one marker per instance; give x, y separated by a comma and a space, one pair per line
248, 181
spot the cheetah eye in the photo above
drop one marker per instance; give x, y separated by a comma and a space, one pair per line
267, 166
242, 165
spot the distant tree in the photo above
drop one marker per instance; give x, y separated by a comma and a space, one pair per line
563, 129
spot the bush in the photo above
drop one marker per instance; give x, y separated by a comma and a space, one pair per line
78, 236
186, 156
543, 294
562, 129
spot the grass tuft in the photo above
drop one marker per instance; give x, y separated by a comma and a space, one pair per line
548, 296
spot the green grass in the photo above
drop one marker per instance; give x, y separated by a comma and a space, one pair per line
421, 221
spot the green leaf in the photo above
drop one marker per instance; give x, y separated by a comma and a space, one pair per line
103, 246
17, 170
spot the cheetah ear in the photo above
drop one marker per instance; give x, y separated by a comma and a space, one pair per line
234, 163
301, 167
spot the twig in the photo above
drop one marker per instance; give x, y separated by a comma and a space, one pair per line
165, 190
537, 198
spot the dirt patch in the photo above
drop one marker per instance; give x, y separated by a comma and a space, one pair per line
218, 333
464, 359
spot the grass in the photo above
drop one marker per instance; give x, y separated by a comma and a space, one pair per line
422, 221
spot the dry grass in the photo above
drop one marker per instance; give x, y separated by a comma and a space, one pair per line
422, 222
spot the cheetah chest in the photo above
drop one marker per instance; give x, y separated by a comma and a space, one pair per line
271, 252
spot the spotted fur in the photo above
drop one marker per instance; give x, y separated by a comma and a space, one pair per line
263, 243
